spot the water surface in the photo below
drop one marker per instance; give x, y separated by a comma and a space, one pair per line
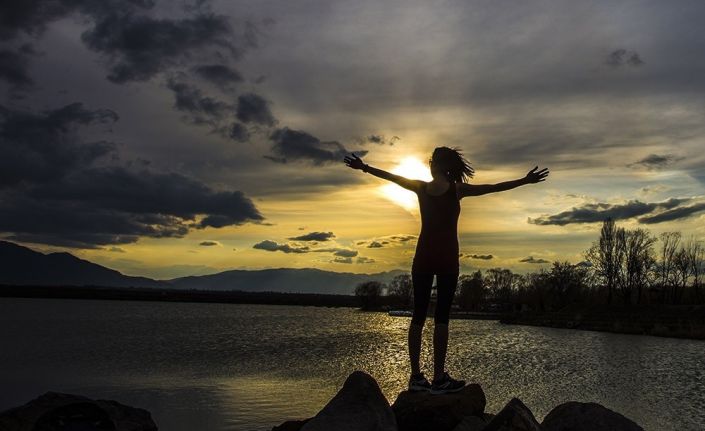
249, 367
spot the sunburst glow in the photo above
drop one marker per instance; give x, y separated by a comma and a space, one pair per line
409, 167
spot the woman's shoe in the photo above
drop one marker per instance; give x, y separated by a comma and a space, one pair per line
419, 383
446, 384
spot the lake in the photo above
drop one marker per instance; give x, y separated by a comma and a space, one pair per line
250, 367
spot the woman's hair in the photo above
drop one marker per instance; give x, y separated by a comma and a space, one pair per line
451, 161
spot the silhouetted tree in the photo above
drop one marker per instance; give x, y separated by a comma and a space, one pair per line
402, 289
369, 293
669, 249
604, 257
472, 291
499, 282
635, 258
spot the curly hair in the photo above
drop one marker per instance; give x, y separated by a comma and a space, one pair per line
451, 161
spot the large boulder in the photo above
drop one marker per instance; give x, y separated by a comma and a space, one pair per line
515, 416
55, 411
417, 411
358, 406
575, 416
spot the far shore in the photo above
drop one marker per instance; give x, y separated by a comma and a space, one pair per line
668, 321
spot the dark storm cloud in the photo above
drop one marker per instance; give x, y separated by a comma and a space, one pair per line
623, 57
269, 245
655, 161
599, 212
291, 145
38, 147
252, 108
14, 65
208, 243
375, 244
532, 259
218, 74
138, 46
56, 189
363, 260
202, 109
674, 214
238, 133
314, 236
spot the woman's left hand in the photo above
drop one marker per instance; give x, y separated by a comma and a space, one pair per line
354, 162
535, 176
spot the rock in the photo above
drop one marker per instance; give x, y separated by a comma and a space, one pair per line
424, 411
291, 425
575, 416
57, 411
471, 423
358, 406
515, 416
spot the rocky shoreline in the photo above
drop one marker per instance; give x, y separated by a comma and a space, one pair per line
361, 406
358, 406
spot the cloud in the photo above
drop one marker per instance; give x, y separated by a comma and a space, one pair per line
363, 260
238, 133
252, 108
40, 147
218, 74
292, 145
202, 109
269, 245
599, 212
478, 256
116, 250
532, 259
655, 161
375, 244
674, 214
14, 65
342, 260
622, 57
208, 243
314, 236
138, 47
381, 139
57, 189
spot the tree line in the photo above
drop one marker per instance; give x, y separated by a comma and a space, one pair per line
623, 266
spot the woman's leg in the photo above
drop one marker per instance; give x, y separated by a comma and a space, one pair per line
445, 285
422, 295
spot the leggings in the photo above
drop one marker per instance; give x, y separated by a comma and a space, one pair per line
446, 284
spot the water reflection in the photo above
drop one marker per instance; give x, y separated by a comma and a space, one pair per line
223, 367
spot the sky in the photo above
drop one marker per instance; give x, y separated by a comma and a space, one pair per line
167, 139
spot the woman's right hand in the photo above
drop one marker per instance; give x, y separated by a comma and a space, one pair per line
354, 162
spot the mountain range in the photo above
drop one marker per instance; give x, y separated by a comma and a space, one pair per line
23, 266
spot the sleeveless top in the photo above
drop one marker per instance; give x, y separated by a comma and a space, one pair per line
437, 247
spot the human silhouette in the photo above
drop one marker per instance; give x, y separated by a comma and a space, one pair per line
437, 251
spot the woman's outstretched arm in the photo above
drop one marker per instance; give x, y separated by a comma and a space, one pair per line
355, 162
534, 176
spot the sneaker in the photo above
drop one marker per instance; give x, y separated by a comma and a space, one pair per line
419, 383
446, 384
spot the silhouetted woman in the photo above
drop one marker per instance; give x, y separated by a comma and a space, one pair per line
437, 251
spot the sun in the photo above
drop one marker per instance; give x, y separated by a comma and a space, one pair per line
409, 167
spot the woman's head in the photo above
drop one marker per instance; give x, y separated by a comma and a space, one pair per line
450, 163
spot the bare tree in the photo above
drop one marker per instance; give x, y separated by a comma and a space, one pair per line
500, 282
695, 255
603, 256
472, 291
402, 288
669, 248
369, 293
636, 257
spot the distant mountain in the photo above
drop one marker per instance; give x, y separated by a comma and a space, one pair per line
307, 280
22, 266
